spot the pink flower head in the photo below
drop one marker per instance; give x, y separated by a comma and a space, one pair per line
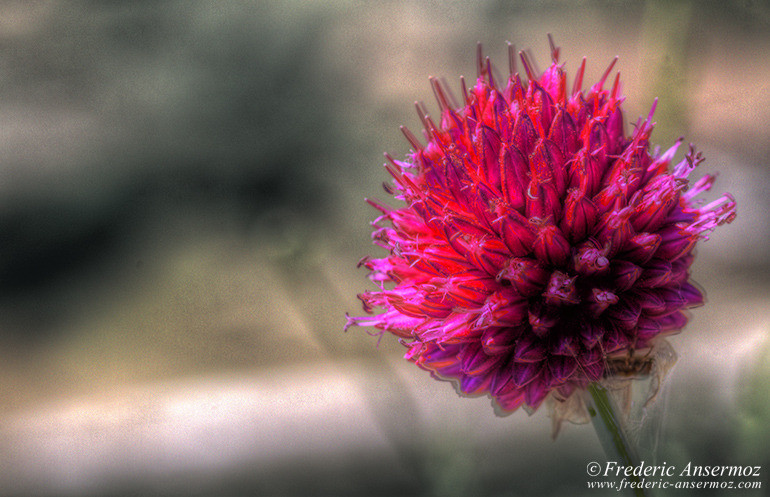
539, 246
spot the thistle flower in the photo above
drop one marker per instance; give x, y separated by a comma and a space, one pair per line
540, 248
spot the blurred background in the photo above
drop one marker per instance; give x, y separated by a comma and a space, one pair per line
181, 214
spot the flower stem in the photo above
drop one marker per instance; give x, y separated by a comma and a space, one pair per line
611, 433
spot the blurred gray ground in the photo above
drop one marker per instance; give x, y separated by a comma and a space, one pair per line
181, 213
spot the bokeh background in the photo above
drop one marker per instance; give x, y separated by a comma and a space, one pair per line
181, 214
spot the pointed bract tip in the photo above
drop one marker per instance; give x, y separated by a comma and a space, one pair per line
511, 58
615, 93
440, 94
490, 76
600, 83
527, 65
479, 60
464, 88
411, 138
554, 49
577, 87
652, 109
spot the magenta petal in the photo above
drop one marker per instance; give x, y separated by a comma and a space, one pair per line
450, 371
524, 135
550, 246
593, 372
641, 247
625, 314
544, 100
650, 300
680, 270
564, 133
600, 300
488, 147
693, 297
675, 242
517, 233
513, 172
673, 299
590, 259
487, 254
413, 350
512, 400
656, 274
500, 340
526, 275
548, 156
614, 340
529, 349
474, 361
659, 197
543, 199
433, 307
542, 319
434, 357
504, 308
591, 333
673, 322
585, 173
615, 129
472, 385
536, 392
502, 380
525, 372
579, 216
647, 329
561, 290
614, 229
598, 139
561, 368
625, 274
591, 356
564, 345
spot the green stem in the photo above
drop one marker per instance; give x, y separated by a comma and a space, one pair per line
610, 431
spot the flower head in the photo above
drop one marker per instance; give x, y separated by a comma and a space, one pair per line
539, 247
